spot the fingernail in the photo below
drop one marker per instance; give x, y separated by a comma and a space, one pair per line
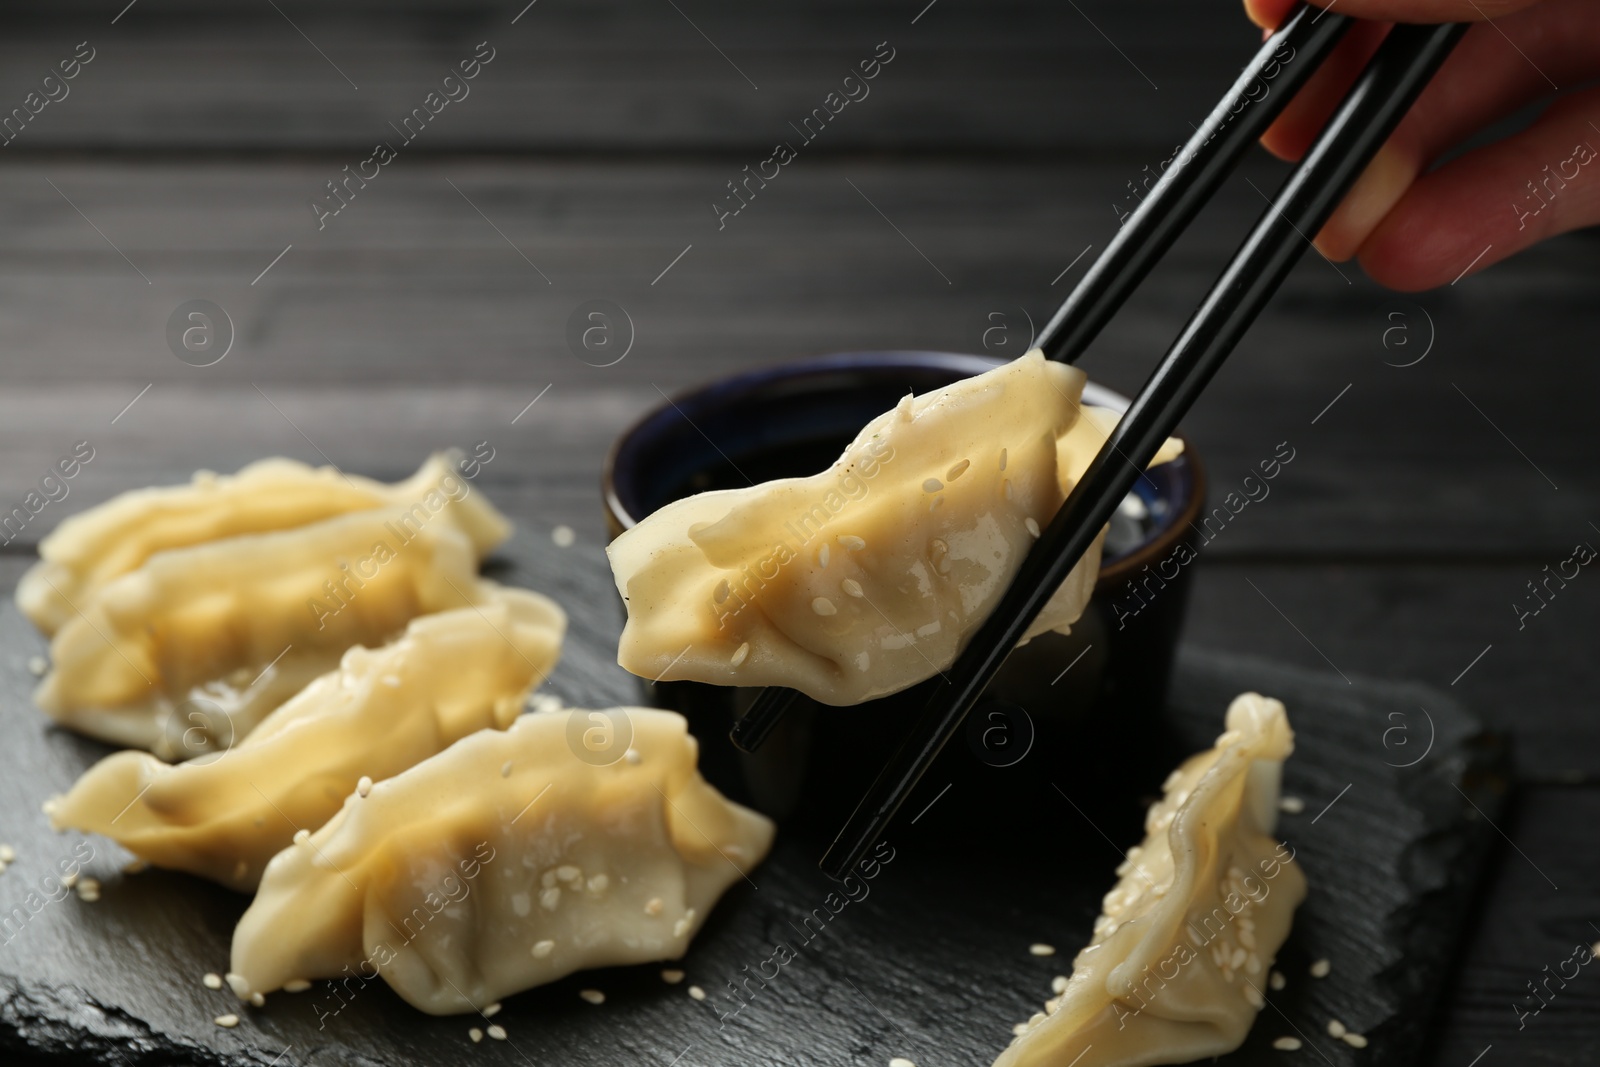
1379, 188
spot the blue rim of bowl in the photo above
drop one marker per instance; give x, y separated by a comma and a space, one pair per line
1185, 477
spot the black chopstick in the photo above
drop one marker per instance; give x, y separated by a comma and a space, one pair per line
1257, 96
1391, 82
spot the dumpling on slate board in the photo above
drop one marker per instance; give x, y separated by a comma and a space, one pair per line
190, 651
505, 862
89, 550
1178, 965
870, 576
225, 815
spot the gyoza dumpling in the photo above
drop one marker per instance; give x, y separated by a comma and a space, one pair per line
869, 577
503, 863
1178, 966
91, 549
242, 624
224, 816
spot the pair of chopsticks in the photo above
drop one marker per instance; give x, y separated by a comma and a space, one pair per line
1391, 82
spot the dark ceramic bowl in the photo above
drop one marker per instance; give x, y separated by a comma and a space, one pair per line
1058, 702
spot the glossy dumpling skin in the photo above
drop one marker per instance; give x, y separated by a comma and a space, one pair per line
503, 863
201, 627
225, 815
1178, 965
91, 549
869, 577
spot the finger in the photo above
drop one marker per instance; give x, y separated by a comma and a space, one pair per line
1486, 79
1554, 44
1292, 132
1494, 201
1271, 13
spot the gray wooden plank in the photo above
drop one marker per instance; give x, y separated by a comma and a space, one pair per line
410, 321
615, 76
1431, 623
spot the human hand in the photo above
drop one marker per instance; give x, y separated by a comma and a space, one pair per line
1413, 228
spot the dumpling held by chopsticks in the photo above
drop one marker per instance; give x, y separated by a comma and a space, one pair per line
871, 576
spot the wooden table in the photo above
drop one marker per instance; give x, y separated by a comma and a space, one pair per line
947, 208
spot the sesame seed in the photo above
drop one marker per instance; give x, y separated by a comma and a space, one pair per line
1005, 488
740, 654
1335, 1028
1058, 984
391, 680
505, 769
1277, 980
568, 873
296, 985
1019, 1029
550, 898
697, 993
903, 409
852, 587
671, 977
475, 1034
497, 1032
600, 882
721, 592
901, 1061
363, 788
633, 756
1355, 1040
563, 536
1032, 524
653, 906
238, 983
1042, 949
680, 927
48, 806
932, 485
1594, 949
1253, 996
1002, 459
822, 555
957, 471
1320, 969
212, 981
70, 880
7, 853
1287, 1044
593, 996
1292, 805
302, 836
258, 1000
541, 949
852, 542
823, 606
227, 1022
37, 666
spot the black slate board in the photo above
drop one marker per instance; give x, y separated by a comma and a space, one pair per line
931, 964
